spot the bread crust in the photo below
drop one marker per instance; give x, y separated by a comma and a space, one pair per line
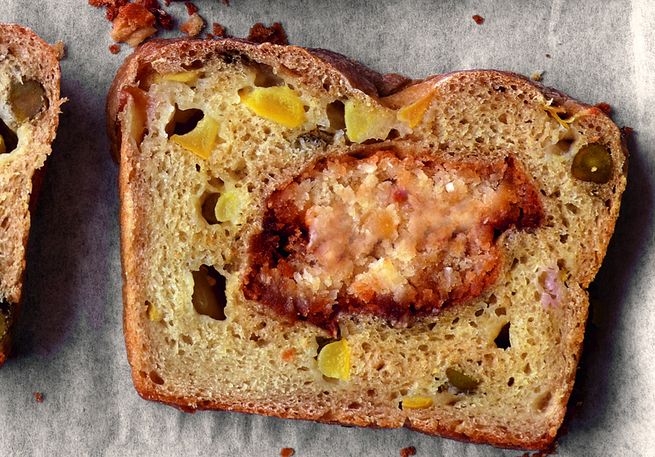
42, 61
346, 75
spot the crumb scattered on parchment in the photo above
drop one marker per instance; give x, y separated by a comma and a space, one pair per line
537, 75
407, 451
38, 397
604, 107
275, 34
218, 31
547, 56
478, 19
287, 452
134, 21
190, 8
627, 131
115, 48
194, 25
60, 49
133, 24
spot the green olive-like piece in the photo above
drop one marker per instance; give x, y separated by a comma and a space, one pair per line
592, 163
460, 380
27, 99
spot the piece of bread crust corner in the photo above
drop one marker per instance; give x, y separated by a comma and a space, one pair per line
29, 115
495, 366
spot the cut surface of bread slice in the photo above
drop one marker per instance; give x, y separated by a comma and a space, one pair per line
29, 115
305, 238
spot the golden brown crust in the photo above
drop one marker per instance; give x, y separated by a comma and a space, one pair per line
338, 71
42, 60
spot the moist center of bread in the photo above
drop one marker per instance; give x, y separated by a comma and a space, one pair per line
386, 235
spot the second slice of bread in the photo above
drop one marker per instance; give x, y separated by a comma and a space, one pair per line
29, 115
477, 340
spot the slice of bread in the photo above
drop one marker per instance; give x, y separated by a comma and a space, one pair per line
29, 115
305, 238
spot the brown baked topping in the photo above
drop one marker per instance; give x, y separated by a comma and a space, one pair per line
386, 234
275, 34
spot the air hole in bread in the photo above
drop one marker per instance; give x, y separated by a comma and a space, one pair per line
209, 292
186, 339
479, 312
322, 341
542, 401
502, 311
563, 238
510, 382
154, 377
3, 225
527, 369
336, 115
563, 146
265, 76
502, 340
208, 207
8, 139
183, 121
355, 405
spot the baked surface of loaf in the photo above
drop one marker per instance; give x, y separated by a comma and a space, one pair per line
29, 114
238, 162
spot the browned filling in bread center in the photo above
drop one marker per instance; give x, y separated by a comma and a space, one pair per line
386, 234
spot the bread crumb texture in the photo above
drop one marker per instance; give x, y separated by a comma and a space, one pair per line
418, 210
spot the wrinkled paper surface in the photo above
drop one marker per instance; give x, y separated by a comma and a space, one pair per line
70, 345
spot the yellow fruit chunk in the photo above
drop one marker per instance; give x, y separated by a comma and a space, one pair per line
413, 114
367, 122
201, 140
417, 402
136, 115
186, 77
3, 147
279, 104
153, 313
229, 205
334, 360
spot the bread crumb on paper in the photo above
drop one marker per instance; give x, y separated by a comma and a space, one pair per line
287, 452
275, 34
408, 451
478, 19
38, 397
537, 75
194, 25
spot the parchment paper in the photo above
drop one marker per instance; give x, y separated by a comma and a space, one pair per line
70, 344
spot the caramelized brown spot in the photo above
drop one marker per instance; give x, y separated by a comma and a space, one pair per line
386, 234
